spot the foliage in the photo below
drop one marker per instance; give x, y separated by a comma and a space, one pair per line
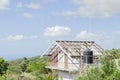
107, 71
24, 64
34, 69
114, 52
28, 69
38, 66
3, 66
2, 77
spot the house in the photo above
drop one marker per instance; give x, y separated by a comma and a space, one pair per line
70, 58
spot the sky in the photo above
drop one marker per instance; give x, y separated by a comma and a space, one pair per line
28, 27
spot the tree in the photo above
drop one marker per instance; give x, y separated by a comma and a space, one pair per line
3, 66
24, 64
107, 71
38, 66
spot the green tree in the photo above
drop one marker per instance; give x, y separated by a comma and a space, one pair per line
24, 64
38, 66
107, 71
3, 66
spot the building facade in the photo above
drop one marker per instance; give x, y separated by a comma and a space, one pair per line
69, 58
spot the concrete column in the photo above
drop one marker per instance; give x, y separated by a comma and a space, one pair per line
65, 61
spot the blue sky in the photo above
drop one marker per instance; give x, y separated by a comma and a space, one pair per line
27, 27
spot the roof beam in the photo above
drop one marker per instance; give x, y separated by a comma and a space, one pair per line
66, 54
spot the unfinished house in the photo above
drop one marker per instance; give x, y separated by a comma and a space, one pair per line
70, 58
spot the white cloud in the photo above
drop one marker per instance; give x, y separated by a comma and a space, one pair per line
96, 8
56, 31
33, 37
101, 8
65, 13
4, 4
117, 32
14, 37
19, 5
19, 37
85, 35
29, 5
27, 15
109, 40
33, 6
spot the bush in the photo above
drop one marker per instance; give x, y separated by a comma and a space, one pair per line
107, 71
3, 66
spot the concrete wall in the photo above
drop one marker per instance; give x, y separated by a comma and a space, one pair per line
67, 76
61, 60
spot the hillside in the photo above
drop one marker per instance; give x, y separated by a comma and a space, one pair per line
34, 69
28, 68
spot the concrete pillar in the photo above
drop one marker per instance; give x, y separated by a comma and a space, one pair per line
65, 61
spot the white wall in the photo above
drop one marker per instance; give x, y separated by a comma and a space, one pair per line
70, 60
67, 76
61, 60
